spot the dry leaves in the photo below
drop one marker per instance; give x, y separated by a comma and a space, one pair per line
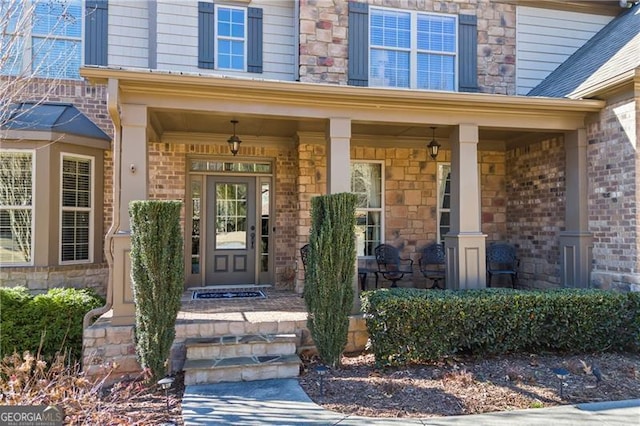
27, 380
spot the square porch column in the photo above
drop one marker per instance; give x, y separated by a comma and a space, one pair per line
339, 155
339, 176
133, 186
576, 242
133, 173
465, 243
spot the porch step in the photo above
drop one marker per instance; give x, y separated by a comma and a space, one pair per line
240, 358
240, 369
239, 346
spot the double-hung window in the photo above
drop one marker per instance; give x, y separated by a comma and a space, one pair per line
366, 183
76, 205
231, 38
408, 49
42, 38
16, 207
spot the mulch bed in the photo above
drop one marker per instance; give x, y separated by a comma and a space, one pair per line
464, 385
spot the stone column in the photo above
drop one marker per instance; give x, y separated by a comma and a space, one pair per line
133, 186
576, 242
465, 243
338, 155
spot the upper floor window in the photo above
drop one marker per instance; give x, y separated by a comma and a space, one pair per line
412, 50
16, 207
76, 204
366, 183
231, 36
43, 38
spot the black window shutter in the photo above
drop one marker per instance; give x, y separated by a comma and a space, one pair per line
467, 53
254, 47
358, 44
206, 27
96, 32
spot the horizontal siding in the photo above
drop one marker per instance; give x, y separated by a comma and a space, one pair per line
128, 34
545, 38
178, 38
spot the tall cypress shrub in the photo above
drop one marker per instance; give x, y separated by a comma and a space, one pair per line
157, 274
328, 289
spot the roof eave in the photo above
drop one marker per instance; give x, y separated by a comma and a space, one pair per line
167, 83
602, 88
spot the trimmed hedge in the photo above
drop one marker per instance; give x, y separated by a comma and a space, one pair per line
412, 325
55, 318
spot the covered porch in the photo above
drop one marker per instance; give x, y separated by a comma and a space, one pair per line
515, 166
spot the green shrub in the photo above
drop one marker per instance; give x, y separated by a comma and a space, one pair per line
328, 289
157, 273
48, 322
410, 325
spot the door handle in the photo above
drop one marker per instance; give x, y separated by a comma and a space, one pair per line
253, 239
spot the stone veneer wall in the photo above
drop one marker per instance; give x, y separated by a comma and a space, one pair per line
324, 39
535, 209
167, 180
613, 194
106, 346
39, 279
410, 196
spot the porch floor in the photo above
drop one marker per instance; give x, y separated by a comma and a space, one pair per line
279, 305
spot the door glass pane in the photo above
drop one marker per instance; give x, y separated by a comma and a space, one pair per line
195, 227
264, 228
231, 221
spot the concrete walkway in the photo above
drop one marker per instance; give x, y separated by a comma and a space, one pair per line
282, 402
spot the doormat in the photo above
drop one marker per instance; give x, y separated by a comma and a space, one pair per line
229, 294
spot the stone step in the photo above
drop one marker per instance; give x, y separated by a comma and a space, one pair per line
239, 369
240, 346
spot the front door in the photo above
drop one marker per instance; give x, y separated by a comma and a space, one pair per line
231, 230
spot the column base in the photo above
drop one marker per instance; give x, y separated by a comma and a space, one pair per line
123, 306
466, 261
576, 255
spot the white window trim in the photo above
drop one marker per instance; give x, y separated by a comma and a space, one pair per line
91, 209
27, 48
32, 207
383, 205
413, 50
245, 38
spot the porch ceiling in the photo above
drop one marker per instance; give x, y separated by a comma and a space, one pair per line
258, 127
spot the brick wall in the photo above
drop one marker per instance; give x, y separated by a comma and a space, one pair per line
613, 182
493, 194
535, 188
324, 39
